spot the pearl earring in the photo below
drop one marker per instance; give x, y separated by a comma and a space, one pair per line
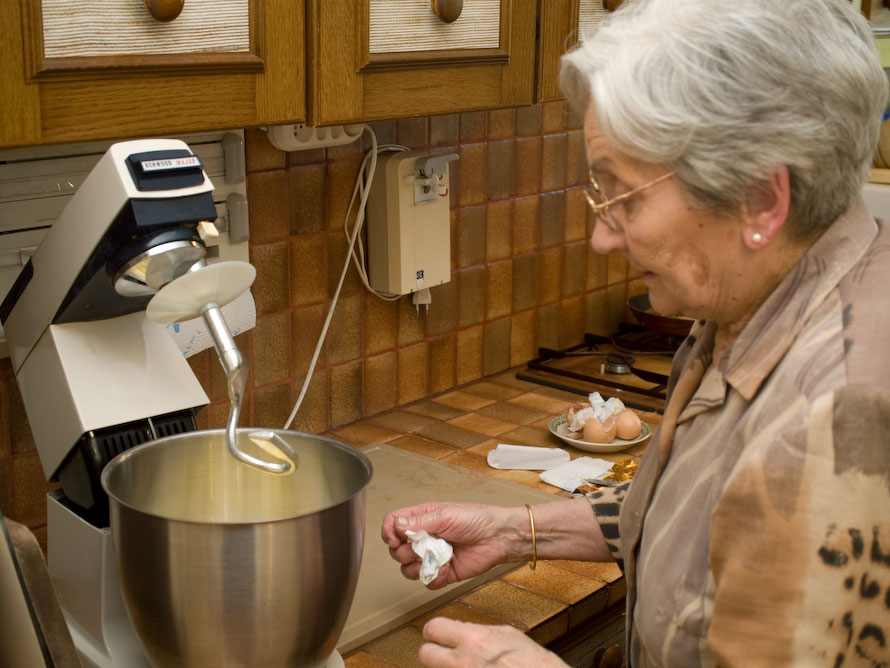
756, 238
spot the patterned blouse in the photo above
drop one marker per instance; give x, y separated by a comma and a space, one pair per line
756, 531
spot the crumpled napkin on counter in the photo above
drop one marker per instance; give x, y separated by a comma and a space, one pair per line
526, 457
433, 552
571, 475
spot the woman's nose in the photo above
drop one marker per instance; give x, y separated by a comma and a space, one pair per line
604, 240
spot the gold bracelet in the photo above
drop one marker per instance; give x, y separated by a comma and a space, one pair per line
531, 519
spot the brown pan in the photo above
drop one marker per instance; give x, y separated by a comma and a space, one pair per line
675, 325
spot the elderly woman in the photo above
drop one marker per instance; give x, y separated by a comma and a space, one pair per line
728, 143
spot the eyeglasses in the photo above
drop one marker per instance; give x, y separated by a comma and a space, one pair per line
605, 207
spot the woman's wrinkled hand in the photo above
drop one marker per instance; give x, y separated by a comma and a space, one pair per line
482, 537
449, 643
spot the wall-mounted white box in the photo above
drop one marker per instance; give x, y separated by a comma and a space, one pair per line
409, 222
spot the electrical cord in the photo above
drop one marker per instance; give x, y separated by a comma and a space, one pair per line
361, 190
361, 186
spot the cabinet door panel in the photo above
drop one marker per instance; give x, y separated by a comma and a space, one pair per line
563, 23
559, 33
423, 66
96, 37
93, 97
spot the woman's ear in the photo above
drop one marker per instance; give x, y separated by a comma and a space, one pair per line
767, 209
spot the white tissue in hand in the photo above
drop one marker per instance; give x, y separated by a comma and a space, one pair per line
433, 552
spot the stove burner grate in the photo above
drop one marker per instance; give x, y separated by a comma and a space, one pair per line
619, 352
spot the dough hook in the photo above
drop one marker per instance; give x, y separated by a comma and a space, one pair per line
201, 291
235, 366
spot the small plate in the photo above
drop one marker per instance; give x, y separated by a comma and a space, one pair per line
559, 429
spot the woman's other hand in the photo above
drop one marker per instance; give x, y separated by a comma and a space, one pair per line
482, 536
449, 643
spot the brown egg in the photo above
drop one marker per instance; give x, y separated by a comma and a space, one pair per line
599, 432
629, 426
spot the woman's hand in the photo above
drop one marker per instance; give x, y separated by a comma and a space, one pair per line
449, 643
482, 537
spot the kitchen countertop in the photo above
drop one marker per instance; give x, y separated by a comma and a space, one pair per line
459, 428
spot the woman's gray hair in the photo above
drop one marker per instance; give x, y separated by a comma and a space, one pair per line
724, 92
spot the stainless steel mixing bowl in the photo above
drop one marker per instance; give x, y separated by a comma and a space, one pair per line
221, 564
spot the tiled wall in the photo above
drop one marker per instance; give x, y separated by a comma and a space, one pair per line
523, 276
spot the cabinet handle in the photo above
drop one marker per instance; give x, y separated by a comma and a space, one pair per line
447, 10
164, 10
611, 5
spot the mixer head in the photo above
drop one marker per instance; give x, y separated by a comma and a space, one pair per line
96, 378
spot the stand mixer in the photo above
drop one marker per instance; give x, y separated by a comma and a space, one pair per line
100, 375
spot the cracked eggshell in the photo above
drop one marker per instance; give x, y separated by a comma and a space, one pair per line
599, 432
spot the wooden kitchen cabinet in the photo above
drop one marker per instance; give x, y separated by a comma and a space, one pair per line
561, 24
103, 69
380, 59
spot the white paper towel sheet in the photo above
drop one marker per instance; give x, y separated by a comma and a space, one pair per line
570, 476
526, 457
192, 336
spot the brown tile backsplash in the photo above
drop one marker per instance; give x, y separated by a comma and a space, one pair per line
379, 383
549, 273
469, 354
442, 360
442, 314
526, 224
501, 124
553, 162
499, 289
272, 272
522, 277
471, 299
471, 170
499, 230
553, 218
525, 282
470, 243
527, 166
413, 373
412, 132
308, 270
501, 169
307, 199
472, 126
528, 120
496, 352
444, 130
269, 206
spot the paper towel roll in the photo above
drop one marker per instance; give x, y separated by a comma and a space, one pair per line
192, 336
